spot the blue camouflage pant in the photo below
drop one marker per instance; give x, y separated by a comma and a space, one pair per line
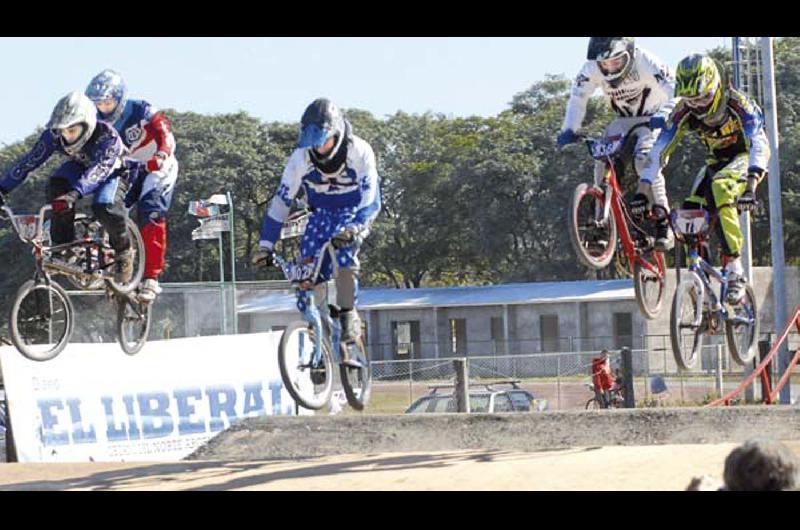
322, 225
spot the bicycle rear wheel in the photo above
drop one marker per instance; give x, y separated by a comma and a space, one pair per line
41, 321
356, 381
650, 288
133, 325
741, 328
310, 385
593, 404
686, 329
585, 230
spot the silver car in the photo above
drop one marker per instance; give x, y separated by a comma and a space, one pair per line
488, 399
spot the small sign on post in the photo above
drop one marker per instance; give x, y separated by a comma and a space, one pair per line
211, 227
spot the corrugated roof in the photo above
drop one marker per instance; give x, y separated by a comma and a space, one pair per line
481, 295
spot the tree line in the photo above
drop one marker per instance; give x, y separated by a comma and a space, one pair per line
476, 200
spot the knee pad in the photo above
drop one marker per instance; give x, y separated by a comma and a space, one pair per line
640, 160
347, 287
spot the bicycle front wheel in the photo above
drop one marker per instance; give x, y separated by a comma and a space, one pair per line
593, 241
649, 286
741, 328
133, 325
593, 404
686, 320
309, 383
42, 320
356, 380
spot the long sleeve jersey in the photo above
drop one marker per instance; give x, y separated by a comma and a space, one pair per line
144, 130
355, 186
740, 131
101, 156
648, 87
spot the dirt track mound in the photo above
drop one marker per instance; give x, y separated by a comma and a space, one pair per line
305, 437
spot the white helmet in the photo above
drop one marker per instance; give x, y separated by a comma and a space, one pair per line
74, 109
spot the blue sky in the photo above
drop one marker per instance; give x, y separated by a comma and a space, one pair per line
275, 78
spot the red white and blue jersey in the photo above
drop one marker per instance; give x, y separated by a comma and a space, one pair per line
144, 130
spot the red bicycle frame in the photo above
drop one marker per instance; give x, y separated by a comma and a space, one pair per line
614, 198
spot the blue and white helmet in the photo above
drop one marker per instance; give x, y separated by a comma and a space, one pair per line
321, 120
109, 84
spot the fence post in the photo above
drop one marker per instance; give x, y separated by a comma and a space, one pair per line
627, 374
680, 375
410, 382
763, 350
719, 370
462, 384
558, 382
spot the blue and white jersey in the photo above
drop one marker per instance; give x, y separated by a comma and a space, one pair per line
143, 130
353, 189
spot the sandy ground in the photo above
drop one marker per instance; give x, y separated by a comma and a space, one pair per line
656, 467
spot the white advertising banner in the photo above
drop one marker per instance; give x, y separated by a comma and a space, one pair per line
94, 403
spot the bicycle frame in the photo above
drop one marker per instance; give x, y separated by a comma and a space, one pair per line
614, 204
704, 271
306, 303
35, 237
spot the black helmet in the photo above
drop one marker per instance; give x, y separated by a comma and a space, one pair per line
618, 50
321, 121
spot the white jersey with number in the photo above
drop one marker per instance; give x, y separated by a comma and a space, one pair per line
648, 87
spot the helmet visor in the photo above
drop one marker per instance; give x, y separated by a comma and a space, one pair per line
613, 65
72, 134
313, 136
106, 106
700, 102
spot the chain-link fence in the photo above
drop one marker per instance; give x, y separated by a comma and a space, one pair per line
563, 378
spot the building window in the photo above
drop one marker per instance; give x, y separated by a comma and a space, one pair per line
458, 336
548, 329
499, 336
623, 330
405, 339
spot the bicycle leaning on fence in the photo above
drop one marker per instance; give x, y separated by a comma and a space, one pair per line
696, 309
309, 347
42, 317
601, 225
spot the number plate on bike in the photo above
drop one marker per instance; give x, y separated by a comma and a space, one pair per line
604, 148
27, 226
300, 271
690, 221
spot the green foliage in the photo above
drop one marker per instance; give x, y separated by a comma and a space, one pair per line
465, 200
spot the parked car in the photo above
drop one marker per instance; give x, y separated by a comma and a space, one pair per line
487, 398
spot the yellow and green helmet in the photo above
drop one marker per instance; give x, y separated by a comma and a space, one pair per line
698, 82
